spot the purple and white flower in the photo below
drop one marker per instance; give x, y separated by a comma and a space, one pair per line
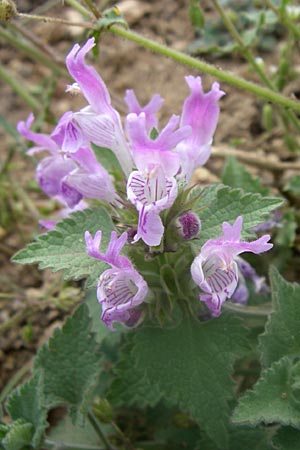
68, 177
201, 112
151, 193
99, 122
153, 187
121, 289
215, 269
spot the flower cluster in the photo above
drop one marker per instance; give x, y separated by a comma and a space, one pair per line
157, 166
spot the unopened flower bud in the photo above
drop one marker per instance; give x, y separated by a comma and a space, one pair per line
7, 10
103, 410
188, 225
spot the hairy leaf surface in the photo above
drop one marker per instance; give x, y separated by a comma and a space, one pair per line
282, 335
19, 436
190, 365
64, 248
27, 403
272, 398
221, 203
237, 176
71, 364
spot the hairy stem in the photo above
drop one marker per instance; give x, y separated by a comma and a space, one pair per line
93, 421
126, 441
55, 20
42, 45
93, 8
284, 18
14, 381
228, 77
80, 8
250, 311
29, 50
194, 63
252, 61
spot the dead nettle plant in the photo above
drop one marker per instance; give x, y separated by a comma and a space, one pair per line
176, 320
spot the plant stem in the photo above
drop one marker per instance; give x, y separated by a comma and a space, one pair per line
93, 421
93, 8
80, 8
189, 61
245, 50
55, 20
29, 50
19, 88
284, 18
15, 320
250, 311
120, 433
251, 59
194, 63
45, 48
16, 378
222, 151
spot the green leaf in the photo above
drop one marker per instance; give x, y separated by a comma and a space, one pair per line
286, 234
109, 161
190, 365
131, 387
196, 15
111, 17
240, 438
236, 176
27, 403
293, 185
71, 364
287, 438
221, 203
19, 436
70, 434
64, 248
282, 335
272, 398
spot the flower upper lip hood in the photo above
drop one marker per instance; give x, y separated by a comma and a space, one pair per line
200, 111
149, 110
88, 79
99, 122
158, 151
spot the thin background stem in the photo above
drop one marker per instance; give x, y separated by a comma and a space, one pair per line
252, 61
93, 421
194, 63
189, 61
